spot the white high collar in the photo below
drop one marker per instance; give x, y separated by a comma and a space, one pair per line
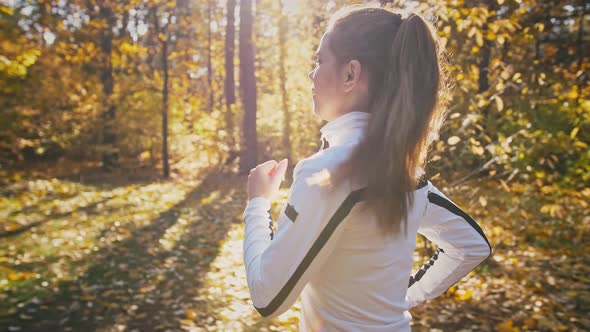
347, 127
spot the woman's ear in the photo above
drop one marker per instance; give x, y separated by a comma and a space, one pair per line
352, 75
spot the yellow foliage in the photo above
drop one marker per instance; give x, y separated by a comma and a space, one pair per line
483, 201
497, 230
15, 276
506, 327
479, 38
190, 314
499, 103
463, 294
554, 210
573, 93
453, 140
477, 150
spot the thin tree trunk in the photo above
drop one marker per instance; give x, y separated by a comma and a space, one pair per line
164, 41
110, 157
581, 51
165, 161
209, 55
184, 12
230, 85
581, 35
283, 79
484, 64
248, 88
483, 83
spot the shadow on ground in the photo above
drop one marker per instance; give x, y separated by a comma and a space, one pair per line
141, 283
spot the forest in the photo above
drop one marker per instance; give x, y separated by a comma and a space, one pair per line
127, 130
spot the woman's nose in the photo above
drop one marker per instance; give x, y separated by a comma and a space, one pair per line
310, 75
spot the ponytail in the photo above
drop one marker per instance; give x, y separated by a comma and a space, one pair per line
405, 80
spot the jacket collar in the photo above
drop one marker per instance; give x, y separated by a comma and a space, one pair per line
351, 127
345, 128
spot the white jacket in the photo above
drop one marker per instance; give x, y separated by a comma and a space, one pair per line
331, 251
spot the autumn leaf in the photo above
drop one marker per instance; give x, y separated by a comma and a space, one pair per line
190, 314
463, 294
499, 103
506, 327
453, 140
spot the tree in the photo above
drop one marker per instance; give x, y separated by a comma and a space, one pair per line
163, 37
229, 84
248, 88
283, 29
209, 56
110, 157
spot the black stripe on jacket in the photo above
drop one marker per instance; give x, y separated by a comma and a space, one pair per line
340, 214
443, 202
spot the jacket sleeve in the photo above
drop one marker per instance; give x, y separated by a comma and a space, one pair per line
462, 246
279, 266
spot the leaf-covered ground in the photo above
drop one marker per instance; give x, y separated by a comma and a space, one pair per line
118, 255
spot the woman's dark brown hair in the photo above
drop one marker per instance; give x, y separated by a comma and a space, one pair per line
404, 64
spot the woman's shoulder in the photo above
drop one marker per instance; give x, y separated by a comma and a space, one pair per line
328, 159
321, 170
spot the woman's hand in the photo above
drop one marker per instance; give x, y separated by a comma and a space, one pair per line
264, 180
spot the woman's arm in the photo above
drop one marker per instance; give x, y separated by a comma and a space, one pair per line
279, 265
462, 246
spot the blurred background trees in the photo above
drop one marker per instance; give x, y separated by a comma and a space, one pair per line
169, 84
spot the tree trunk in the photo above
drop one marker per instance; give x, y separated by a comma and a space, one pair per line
163, 31
580, 41
165, 162
184, 18
209, 55
230, 86
248, 88
483, 83
283, 81
484, 64
110, 157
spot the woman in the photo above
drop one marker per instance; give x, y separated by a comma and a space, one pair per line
347, 234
